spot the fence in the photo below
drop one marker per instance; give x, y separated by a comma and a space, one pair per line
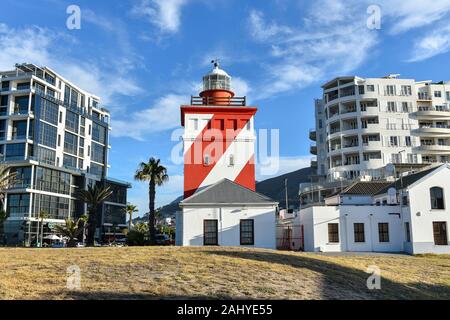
290, 237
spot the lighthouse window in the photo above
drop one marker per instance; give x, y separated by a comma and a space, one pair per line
194, 124
231, 160
249, 127
206, 160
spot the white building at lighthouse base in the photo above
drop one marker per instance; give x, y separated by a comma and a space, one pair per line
227, 214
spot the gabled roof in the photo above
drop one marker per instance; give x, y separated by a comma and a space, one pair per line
408, 180
364, 188
227, 192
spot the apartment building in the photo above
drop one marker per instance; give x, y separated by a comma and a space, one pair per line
364, 124
55, 137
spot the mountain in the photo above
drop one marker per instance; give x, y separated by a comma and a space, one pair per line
273, 188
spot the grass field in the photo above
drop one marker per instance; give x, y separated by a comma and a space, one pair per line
197, 273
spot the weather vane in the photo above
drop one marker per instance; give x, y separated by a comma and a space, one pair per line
216, 63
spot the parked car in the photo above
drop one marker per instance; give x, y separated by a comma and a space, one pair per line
163, 240
80, 245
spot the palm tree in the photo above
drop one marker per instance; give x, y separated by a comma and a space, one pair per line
156, 175
70, 230
42, 216
93, 197
3, 217
84, 220
7, 178
130, 209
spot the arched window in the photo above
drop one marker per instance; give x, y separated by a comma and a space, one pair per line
437, 198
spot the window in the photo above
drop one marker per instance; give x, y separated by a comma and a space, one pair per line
98, 153
59, 140
407, 232
49, 111
391, 106
231, 160
98, 133
46, 155
320, 124
69, 162
333, 232
358, 229
52, 180
18, 205
383, 232
210, 233
437, 94
2, 129
406, 90
390, 90
15, 151
405, 107
440, 233
361, 89
194, 124
60, 116
48, 135
437, 198
393, 141
96, 169
70, 143
247, 228
206, 160
370, 88
72, 121
19, 129
408, 141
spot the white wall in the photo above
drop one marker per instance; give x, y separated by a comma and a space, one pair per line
316, 219
228, 225
422, 216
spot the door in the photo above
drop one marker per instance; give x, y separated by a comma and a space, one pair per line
440, 233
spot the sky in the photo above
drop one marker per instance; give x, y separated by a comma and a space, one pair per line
145, 58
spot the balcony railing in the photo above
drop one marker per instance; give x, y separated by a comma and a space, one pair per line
221, 101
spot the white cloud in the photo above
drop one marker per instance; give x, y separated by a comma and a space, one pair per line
164, 14
164, 115
44, 47
408, 15
332, 39
435, 42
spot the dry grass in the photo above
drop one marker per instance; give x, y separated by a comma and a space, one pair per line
173, 272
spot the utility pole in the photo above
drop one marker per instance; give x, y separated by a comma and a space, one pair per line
286, 190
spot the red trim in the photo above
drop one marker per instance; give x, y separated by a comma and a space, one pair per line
225, 110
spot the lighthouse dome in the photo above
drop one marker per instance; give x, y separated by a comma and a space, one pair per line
216, 79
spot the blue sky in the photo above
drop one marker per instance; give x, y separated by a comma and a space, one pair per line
145, 58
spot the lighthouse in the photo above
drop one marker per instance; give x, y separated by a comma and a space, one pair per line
219, 138
220, 205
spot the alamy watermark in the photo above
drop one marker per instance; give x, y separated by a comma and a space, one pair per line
73, 277
73, 22
374, 19
374, 280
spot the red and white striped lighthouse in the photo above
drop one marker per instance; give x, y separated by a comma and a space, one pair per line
219, 138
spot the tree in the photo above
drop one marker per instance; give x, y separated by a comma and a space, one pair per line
156, 175
93, 197
130, 209
42, 216
138, 235
70, 230
83, 220
7, 178
3, 217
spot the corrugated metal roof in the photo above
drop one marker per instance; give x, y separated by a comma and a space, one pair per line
366, 188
